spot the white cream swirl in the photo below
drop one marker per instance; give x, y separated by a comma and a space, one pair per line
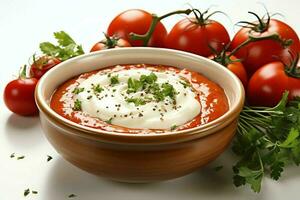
111, 102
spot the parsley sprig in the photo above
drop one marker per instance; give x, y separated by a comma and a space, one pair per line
66, 48
267, 140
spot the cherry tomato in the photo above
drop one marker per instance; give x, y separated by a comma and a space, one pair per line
42, 64
110, 42
234, 65
136, 21
198, 35
266, 86
19, 96
259, 53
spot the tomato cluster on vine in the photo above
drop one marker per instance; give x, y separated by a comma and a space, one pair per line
252, 54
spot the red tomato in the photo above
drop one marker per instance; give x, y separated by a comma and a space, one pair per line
42, 64
268, 83
235, 66
110, 42
259, 53
19, 96
197, 37
136, 21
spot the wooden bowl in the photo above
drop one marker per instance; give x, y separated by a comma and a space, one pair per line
134, 157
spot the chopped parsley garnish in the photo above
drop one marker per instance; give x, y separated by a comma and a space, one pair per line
20, 157
136, 101
49, 158
71, 196
26, 192
97, 88
185, 83
109, 121
147, 83
77, 105
148, 78
77, 90
173, 127
168, 90
114, 80
133, 85
12, 155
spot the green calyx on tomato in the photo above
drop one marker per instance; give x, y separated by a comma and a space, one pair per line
259, 27
110, 42
200, 17
23, 72
155, 19
293, 70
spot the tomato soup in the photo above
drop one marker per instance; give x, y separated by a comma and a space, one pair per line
140, 98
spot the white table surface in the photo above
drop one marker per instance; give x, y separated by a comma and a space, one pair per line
26, 23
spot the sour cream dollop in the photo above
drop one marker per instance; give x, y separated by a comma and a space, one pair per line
111, 102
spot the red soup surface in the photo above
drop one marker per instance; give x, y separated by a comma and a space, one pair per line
140, 98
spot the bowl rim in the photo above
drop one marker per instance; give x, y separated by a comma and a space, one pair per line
233, 111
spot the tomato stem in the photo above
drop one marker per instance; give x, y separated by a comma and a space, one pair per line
251, 38
23, 72
110, 41
293, 70
262, 25
155, 19
200, 16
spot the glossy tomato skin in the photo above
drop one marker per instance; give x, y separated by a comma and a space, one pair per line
188, 35
42, 65
102, 45
19, 96
237, 68
259, 53
268, 83
136, 21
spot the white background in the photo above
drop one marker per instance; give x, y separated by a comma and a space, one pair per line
26, 23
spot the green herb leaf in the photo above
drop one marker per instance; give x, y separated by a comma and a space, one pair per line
26, 192
20, 157
291, 140
49, 49
136, 101
151, 78
114, 80
12, 155
49, 158
71, 196
77, 90
133, 85
97, 89
109, 121
173, 127
77, 105
66, 48
34, 192
63, 39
